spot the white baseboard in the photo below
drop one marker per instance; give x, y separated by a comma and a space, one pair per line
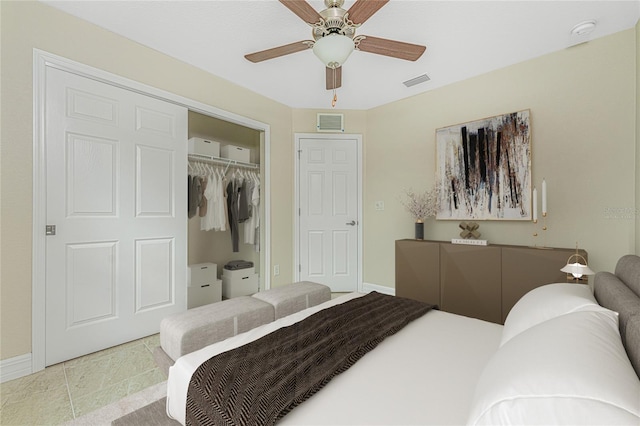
368, 287
14, 368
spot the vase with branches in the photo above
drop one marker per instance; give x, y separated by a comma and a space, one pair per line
420, 205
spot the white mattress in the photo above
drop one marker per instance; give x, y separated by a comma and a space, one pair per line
424, 374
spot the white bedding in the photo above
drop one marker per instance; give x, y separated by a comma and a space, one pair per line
424, 374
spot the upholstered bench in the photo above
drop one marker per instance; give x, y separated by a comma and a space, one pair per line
196, 328
295, 297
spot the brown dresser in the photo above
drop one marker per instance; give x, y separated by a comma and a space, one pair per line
477, 281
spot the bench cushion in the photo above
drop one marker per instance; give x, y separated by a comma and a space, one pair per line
295, 297
196, 328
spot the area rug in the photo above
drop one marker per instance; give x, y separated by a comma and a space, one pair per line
152, 414
132, 410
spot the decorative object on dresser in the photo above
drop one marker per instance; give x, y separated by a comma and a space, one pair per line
469, 235
477, 281
421, 206
484, 169
544, 212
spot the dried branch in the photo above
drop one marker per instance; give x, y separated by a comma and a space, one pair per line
421, 205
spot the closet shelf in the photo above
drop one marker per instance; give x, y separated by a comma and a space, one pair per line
224, 161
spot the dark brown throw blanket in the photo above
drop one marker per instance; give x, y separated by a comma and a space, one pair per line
260, 382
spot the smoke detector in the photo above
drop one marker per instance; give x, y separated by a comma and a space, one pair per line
584, 28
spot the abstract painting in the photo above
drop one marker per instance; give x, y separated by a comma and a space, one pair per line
484, 169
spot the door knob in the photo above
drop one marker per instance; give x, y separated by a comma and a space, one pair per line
352, 223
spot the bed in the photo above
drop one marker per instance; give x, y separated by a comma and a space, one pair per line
560, 358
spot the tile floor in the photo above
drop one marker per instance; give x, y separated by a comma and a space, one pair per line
68, 390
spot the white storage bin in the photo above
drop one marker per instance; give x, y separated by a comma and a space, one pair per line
201, 146
203, 285
234, 285
237, 153
238, 273
204, 294
202, 273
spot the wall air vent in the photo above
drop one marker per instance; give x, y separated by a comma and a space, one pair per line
330, 122
417, 80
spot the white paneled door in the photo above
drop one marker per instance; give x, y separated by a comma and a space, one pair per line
328, 223
116, 179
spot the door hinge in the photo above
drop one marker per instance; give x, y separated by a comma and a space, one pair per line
300, 268
50, 230
299, 153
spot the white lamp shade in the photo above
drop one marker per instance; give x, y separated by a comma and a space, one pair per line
577, 269
333, 50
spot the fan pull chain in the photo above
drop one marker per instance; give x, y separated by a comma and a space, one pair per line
335, 95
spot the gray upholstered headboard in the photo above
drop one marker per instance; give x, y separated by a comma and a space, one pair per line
621, 293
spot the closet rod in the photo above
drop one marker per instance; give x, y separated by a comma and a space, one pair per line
224, 161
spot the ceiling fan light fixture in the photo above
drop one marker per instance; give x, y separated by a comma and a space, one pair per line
333, 49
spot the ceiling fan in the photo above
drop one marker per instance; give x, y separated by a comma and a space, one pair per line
334, 37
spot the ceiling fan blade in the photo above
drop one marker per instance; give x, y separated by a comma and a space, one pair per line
364, 9
303, 9
395, 49
279, 51
334, 78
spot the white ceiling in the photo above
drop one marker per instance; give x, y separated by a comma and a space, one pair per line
463, 39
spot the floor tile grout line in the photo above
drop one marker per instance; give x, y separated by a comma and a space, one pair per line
66, 381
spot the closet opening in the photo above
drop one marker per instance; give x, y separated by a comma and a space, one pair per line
226, 208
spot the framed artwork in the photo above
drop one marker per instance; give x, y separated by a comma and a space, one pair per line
484, 169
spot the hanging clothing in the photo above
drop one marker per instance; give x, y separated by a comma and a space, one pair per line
195, 196
207, 220
232, 201
251, 224
243, 204
188, 195
202, 207
224, 205
224, 202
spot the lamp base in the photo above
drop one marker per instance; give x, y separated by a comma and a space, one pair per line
573, 280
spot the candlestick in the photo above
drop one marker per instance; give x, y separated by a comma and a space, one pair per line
535, 205
544, 197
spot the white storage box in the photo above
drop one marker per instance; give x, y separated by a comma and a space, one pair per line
203, 285
202, 273
241, 282
204, 294
238, 273
201, 146
237, 153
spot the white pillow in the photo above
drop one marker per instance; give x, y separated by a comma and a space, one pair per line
571, 369
546, 302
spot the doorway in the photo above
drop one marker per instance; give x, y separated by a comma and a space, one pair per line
328, 229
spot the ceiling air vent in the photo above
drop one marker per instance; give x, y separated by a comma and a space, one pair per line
330, 123
417, 80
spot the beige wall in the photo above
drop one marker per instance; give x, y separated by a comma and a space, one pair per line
28, 25
583, 118
637, 212
583, 115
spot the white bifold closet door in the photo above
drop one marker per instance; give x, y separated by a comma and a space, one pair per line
116, 193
